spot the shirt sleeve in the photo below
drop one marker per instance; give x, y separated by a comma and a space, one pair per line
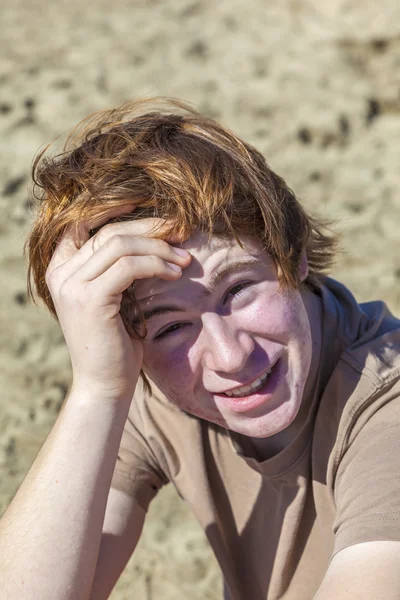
137, 471
367, 483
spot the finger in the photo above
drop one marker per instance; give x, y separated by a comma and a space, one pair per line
139, 228
119, 246
148, 227
101, 220
67, 246
127, 269
78, 234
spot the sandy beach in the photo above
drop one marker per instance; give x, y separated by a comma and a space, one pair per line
315, 86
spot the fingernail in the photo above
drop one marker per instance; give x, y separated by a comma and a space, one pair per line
174, 267
181, 251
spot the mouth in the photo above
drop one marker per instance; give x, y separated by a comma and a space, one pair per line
251, 388
255, 394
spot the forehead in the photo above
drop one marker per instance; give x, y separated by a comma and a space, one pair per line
202, 246
208, 255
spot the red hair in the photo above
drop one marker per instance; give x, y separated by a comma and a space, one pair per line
171, 162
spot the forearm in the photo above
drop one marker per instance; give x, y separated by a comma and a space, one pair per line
50, 535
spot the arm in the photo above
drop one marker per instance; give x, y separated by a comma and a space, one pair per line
366, 556
50, 536
121, 531
365, 571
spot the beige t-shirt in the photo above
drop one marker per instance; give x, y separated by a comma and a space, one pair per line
275, 525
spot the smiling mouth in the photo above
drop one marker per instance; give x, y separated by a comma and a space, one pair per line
252, 388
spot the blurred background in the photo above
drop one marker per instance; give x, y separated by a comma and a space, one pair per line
314, 85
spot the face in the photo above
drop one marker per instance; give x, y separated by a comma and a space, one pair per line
224, 343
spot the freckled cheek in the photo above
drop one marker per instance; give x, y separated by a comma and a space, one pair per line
277, 318
301, 326
174, 375
294, 316
170, 370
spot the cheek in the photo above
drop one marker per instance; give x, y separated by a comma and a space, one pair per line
170, 370
282, 317
297, 323
174, 375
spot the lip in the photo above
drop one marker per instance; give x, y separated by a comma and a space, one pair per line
249, 381
247, 403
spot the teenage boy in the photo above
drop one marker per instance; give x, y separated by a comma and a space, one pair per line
184, 271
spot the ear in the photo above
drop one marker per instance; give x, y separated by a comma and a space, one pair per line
303, 266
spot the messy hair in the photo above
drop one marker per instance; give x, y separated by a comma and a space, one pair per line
174, 163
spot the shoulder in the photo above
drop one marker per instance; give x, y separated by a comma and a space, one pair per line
365, 335
362, 344
362, 389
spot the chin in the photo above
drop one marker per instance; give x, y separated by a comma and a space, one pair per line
265, 426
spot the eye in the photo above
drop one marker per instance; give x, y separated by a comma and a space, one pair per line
237, 289
170, 329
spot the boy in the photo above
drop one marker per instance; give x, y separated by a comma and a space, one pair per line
167, 248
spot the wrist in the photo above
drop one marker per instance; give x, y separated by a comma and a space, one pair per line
88, 393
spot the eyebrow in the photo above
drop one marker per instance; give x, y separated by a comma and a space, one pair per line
230, 269
219, 275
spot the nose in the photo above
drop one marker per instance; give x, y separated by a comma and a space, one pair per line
226, 347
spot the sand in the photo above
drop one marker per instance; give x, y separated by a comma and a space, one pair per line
314, 85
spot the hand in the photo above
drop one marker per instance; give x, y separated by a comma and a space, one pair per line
86, 284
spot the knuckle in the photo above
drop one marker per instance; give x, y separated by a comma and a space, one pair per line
162, 246
51, 278
105, 231
67, 290
115, 241
125, 262
63, 294
157, 263
71, 293
120, 244
102, 236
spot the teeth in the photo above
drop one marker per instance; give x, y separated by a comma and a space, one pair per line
256, 383
242, 391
